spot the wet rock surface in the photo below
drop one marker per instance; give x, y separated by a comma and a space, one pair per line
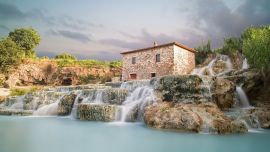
182, 88
223, 93
256, 117
97, 112
191, 117
65, 104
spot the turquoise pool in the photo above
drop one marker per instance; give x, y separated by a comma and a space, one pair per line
55, 134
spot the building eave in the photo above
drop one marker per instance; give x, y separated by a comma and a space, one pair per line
160, 46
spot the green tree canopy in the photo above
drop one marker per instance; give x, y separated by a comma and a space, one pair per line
202, 52
27, 39
231, 45
65, 56
11, 54
256, 46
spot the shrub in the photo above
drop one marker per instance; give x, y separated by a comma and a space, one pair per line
65, 56
202, 52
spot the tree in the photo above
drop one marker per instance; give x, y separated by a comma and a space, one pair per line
231, 45
202, 52
256, 46
11, 54
27, 39
65, 56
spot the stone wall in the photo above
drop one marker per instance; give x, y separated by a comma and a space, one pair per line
146, 63
184, 61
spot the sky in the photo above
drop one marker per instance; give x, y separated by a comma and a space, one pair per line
101, 29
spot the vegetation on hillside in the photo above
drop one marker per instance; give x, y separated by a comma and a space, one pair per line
65, 56
19, 46
202, 52
254, 44
256, 47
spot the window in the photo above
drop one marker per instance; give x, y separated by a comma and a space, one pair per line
153, 75
157, 57
133, 60
133, 76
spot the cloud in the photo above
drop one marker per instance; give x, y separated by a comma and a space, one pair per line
8, 11
81, 37
216, 20
143, 40
5, 28
61, 20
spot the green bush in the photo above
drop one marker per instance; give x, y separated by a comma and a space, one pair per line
202, 52
10, 54
231, 46
65, 56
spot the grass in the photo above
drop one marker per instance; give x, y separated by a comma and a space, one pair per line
23, 91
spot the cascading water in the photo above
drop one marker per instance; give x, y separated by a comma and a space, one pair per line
245, 64
242, 97
135, 103
209, 67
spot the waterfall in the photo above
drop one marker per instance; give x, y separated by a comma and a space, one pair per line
47, 110
245, 64
242, 97
226, 59
141, 96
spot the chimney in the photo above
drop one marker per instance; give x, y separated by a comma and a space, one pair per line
155, 44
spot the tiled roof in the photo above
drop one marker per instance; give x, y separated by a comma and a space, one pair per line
163, 45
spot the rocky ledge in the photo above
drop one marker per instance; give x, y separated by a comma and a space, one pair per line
97, 112
205, 117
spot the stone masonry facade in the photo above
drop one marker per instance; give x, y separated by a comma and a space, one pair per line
159, 60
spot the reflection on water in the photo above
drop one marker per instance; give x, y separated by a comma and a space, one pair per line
54, 134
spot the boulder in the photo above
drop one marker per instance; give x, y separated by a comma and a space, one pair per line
165, 116
205, 117
65, 104
97, 112
223, 93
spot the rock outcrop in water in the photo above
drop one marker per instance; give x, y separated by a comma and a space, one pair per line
65, 104
205, 117
182, 88
256, 117
95, 112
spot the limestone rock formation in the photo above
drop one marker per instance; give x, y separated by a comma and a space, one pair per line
65, 104
182, 88
191, 117
223, 93
97, 112
256, 117
49, 73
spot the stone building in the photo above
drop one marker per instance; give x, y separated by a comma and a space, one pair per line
158, 60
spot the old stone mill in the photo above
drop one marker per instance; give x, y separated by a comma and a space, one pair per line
161, 87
